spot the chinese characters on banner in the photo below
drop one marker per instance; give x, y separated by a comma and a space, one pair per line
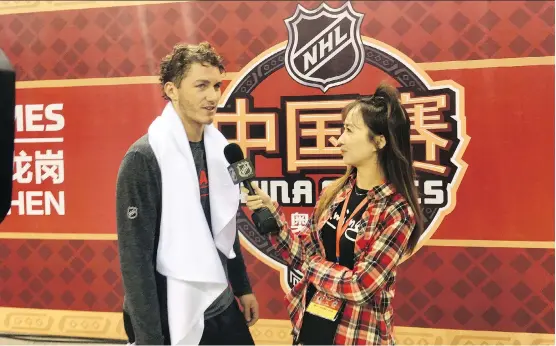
320, 122
39, 160
298, 221
426, 121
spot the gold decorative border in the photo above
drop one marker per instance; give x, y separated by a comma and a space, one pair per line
87, 82
515, 244
15, 7
487, 63
109, 325
491, 243
61, 323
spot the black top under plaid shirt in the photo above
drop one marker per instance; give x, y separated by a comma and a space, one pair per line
317, 330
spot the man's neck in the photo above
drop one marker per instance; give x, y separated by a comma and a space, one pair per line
193, 130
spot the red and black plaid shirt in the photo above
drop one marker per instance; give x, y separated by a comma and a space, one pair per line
368, 289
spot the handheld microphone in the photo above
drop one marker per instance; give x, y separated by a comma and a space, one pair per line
242, 171
7, 133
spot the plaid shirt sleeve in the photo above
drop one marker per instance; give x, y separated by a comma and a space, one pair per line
294, 248
372, 268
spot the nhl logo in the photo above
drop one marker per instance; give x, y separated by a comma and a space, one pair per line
324, 46
132, 213
245, 170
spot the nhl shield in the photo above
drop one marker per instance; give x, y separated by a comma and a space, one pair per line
244, 169
318, 40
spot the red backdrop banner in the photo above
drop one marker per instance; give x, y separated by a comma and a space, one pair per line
483, 132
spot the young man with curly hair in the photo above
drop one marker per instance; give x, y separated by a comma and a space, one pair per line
179, 249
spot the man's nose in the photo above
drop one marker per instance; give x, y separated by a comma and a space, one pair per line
213, 95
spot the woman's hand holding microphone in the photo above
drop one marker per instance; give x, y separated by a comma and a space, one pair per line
260, 200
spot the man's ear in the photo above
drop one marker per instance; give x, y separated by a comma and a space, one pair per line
171, 91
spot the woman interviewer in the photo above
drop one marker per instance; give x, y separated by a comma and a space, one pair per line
362, 225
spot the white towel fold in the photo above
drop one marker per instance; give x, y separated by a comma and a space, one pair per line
187, 253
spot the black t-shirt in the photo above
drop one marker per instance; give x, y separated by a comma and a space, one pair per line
198, 152
316, 330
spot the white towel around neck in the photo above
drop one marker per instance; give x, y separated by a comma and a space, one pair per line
187, 253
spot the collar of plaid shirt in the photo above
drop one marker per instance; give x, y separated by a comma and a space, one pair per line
368, 312
374, 195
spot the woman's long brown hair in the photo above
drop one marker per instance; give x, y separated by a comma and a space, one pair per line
384, 115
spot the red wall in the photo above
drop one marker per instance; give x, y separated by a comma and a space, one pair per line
507, 191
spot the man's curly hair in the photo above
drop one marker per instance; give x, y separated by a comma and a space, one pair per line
175, 65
